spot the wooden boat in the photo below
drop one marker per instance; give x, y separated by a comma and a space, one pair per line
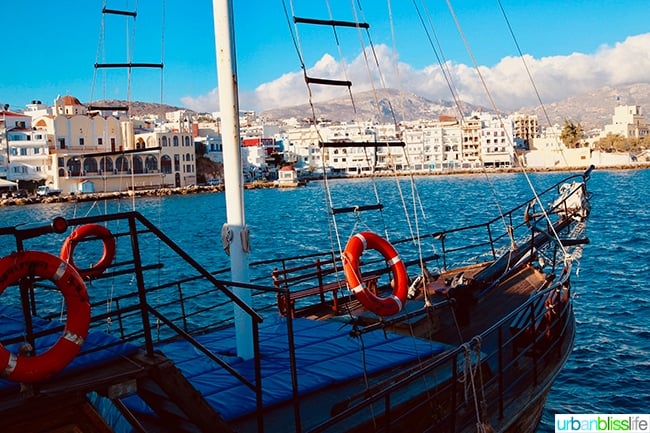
477, 344
378, 336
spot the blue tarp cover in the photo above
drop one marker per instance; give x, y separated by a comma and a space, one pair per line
98, 348
326, 355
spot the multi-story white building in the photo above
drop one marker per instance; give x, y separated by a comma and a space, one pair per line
24, 152
628, 122
497, 148
526, 128
471, 147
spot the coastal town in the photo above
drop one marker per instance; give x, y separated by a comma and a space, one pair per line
73, 149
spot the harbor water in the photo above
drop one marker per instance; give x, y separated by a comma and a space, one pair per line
609, 369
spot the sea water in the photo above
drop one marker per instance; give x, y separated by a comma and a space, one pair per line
608, 371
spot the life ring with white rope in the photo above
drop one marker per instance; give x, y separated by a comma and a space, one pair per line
88, 231
31, 369
382, 306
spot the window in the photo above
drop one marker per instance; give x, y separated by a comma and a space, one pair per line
90, 165
150, 164
81, 141
100, 141
175, 140
166, 164
122, 164
74, 167
138, 166
61, 142
105, 165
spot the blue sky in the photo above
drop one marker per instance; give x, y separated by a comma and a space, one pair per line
50, 48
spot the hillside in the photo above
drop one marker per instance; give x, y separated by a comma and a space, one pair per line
406, 105
593, 109
138, 108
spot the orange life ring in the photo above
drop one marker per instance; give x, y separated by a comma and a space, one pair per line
389, 305
83, 232
19, 265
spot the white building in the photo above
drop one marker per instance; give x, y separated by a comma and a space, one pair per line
497, 144
93, 153
24, 152
628, 122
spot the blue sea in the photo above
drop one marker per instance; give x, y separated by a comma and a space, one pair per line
609, 369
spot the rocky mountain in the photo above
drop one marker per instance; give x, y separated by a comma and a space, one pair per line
138, 108
592, 109
405, 105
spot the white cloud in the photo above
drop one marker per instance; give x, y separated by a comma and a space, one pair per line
556, 78
203, 103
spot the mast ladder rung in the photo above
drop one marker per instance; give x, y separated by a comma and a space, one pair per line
357, 208
328, 82
119, 12
332, 23
129, 65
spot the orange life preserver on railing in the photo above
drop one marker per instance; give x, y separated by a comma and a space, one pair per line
83, 232
381, 306
32, 369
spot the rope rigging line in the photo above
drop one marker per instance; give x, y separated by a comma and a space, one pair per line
442, 62
470, 370
295, 38
395, 58
371, 45
371, 61
528, 73
523, 168
494, 107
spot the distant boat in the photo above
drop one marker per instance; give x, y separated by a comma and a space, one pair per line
449, 330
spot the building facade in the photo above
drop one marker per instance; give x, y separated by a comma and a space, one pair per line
627, 121
91, 152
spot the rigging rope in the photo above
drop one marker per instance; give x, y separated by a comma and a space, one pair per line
528, 73
413, 223
470, 369
494, 107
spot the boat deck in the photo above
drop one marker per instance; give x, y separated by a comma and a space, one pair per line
326, 357
483, 312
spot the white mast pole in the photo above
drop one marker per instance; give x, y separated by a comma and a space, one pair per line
234, 231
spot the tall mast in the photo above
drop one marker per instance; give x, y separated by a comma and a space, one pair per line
234, 232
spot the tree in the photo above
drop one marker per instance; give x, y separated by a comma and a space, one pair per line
572, 134
618, 143
610, 143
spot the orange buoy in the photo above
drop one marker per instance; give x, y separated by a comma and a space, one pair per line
87, 231
32, 369
386, 306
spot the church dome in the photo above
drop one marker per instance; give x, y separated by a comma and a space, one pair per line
70, 100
